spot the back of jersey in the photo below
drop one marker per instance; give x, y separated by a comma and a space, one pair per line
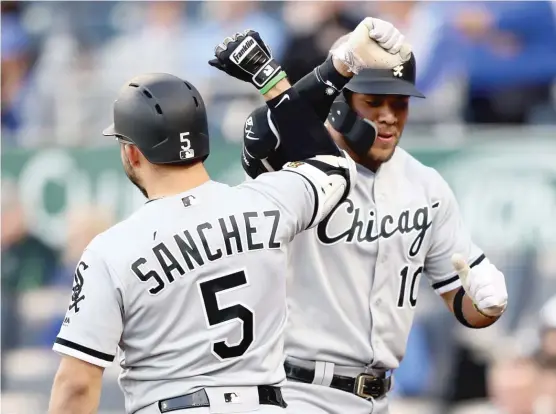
192, 287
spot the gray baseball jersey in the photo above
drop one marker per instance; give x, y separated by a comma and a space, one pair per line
354, 278
191, 288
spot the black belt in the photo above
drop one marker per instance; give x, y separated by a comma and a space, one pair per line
268, 395
364, 385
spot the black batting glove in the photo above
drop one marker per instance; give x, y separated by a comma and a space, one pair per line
246, 57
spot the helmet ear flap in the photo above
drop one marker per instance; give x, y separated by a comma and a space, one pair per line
359, 133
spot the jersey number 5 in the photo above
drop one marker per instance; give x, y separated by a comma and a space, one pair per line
216, 315
413, 287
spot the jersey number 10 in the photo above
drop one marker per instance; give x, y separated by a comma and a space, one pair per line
216, 315
413, 287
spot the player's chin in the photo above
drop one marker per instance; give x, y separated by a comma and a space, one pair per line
383, 151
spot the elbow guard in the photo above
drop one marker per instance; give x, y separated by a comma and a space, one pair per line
332, 179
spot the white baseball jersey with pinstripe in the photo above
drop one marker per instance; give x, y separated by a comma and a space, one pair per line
191, 288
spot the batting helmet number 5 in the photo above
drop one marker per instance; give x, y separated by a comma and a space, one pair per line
186, 152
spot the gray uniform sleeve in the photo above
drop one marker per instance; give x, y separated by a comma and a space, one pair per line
449, 236
293, 195
93, 324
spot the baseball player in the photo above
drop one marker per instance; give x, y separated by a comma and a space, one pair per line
191, 288
354, 278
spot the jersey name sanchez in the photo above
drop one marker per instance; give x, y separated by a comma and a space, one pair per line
353, 279
191, 289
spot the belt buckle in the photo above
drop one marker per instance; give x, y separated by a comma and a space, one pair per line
375, 384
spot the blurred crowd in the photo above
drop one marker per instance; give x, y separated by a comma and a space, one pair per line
63, 63
478, 63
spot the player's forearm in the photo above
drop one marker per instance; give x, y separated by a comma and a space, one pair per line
68, 399
299, 116
318, 88
321, 86
301, 133
467, 310
70, 395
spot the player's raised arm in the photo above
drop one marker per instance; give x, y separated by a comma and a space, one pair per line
88, 338
374, 44
323, 175
246, 57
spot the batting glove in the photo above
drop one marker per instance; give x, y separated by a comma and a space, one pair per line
246, 57
375, 44
484, 284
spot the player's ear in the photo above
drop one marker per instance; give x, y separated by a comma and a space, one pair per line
133, 155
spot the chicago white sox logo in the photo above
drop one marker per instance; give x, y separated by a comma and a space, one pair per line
398, 71
77, 288
186, 152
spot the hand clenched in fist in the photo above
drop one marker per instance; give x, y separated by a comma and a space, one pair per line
375, 44
246, 57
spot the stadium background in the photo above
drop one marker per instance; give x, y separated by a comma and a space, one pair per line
488, 125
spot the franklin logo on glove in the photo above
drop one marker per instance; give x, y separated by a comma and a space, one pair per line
246, 57
244, 47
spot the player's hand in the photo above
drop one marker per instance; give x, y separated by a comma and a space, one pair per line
484, 284
246, 57
373, 44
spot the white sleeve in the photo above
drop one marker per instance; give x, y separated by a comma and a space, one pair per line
449, 236
292, 194
93, 324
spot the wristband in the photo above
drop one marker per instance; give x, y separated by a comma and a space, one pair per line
458, 309
272, 83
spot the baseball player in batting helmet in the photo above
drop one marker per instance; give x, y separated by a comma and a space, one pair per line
165, 118
191, 287
354, 278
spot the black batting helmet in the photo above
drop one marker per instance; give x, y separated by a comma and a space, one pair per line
164, 116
